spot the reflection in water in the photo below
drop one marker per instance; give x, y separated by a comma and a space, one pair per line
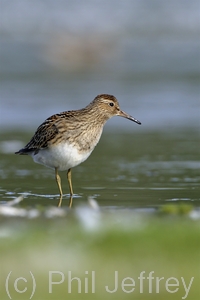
70, 201
143, 175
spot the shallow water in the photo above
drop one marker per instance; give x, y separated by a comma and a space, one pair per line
140, 170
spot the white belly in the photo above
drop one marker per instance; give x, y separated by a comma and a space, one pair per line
62, 156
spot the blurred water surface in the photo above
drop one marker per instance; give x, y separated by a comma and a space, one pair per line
57, 56
125, 170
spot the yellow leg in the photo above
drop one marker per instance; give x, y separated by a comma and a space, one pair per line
58, 180
69, 177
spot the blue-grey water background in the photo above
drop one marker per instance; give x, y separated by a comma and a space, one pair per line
58, 55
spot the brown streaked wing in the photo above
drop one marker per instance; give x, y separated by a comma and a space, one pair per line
45, 132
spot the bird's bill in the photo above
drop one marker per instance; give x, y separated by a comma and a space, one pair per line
125, 115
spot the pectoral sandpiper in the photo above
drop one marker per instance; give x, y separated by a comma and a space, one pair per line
65, 140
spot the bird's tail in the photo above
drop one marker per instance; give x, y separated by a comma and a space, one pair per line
23, 151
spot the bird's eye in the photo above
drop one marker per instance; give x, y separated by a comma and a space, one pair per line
111, 104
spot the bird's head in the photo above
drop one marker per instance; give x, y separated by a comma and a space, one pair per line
109, 107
